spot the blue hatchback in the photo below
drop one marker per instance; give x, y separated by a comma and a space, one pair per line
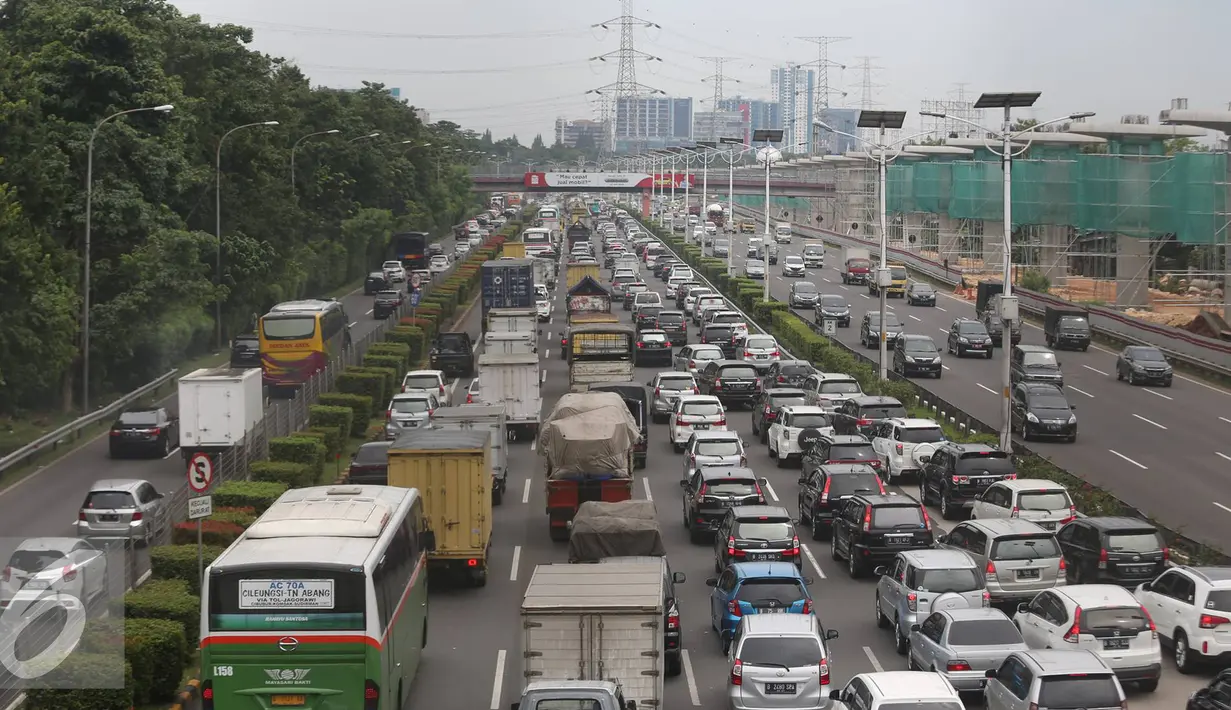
746, 588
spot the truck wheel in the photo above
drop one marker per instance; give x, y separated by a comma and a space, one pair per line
478, 577
498, 495
673, 665
558, 534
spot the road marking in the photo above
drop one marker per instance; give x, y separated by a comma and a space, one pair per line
692, 680
498, 683
989, 389
1095, 369
820, 573
843, 287
943, 330
1147, 421
171, 453
1219, 453
864, 295
876, 665
549, 335
516, 559
945, 367
1225, 420
369, 312
939, 308
1220, 505
1117, 453
544, 377
772, 493
1081, 391
533, 444
1157, 394
913, 318
525, 491
648, 495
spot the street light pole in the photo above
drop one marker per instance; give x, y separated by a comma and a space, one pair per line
295, 146
218, 228
768, 136
1008, 310
373, 134
85, 275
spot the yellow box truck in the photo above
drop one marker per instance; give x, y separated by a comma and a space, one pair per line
452, 471
576, 272
517, 250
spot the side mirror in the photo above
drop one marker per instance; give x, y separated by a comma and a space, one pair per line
835, 695
881, 571
1145, 587
808, 580
711, 582
915, 627
802, 479
1073, 407
990, 673
679, 577
1023, 608
428, 538
831, 634
631, 705
683, 484
941, 538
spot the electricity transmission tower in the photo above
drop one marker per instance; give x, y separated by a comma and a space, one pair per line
718, 80
867, 89
626, 88
823, 91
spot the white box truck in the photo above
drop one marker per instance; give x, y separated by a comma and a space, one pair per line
597, 623
513, 382
504, 342
513, 320
488, 418
218, 406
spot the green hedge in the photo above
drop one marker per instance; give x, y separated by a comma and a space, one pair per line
357, 382
294, 475
391, 379
331, 437
413, 337
166, 599
391, 361
97, 674
157, 650
360, 406
390, 349
301, 449
180, 562
217, 533
338, 418
258, 495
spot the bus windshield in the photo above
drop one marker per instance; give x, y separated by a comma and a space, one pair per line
286, 599
288, 327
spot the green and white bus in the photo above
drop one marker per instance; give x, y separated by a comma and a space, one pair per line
320, 605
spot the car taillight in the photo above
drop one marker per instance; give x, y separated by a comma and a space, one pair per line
867, 518
137, 516
701, 493
1150, 620
1102, 559
733, 608
864, 422
1207, 621
68, 574
912, 601
692, 460
696, 390
775, 354
960, 479
824, 671
1074, 630
743, 460
371, 695
807, 606
737, 672
388, 415
673, 619
747, 353
442, 389
987, 600
990, 570
825, 490
1009, 477
1166, 554
156, 431
927, 520
899, 449
781, 378
640, 344
794, 551
759, 492
469, 398
952, 666
731, 551
1015, 512
718, 384
81, 515
1063, 564
692, 364
722, 421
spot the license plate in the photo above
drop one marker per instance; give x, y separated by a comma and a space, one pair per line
1027, 574
977, 346
762, 357
1048, 526
898, 539
109, 518
779, 688
763, 556
1115, 644
772, 610
700, 427
1136, 569
288, 700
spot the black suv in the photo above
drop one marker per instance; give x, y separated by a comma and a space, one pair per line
823, 490
672, 630
713, 490
995, 326
955, 473
1041, 410
840, 448
1034, 363
916, 355
731, 381
788, 373
968, 336
765, 410
756, 533
722, 335
1215, 696
869, 530
386, 303
1124, 551
857, 414
375, 281
672, 323
246, 351
647, 317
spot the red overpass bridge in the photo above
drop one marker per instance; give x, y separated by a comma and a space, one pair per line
747, 184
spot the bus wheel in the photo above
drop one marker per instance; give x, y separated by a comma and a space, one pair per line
478, 577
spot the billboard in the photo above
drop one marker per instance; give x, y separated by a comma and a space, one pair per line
609, 181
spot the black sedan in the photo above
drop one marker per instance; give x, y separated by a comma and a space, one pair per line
920, 294
1143, 364
653, 348
144, 432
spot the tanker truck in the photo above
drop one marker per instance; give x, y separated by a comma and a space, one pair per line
717, 214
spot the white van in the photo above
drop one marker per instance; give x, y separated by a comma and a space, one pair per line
782, 233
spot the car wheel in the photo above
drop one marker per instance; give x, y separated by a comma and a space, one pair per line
1184, 661
773, 453
924, 497
833, 547
852, 564
818, 530
901, 643
946, 508
881, 621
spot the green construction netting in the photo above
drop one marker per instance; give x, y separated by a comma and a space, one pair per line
1125, 195
932, 184
1199, 198
899, 189
1043, 191
977, 190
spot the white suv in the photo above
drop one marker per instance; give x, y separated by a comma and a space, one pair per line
904, 444
831, 389
795, 430
898, 689
1192, 607
1042, 502
698, 412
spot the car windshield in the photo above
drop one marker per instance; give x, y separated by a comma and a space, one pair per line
891, 516
795, 260
1078, 691
805, 287
34, 561
707, 355
654, 337
701, 409
813, 249
839, 387
1039, 359
921, 288
421, 382
778, 651
717, 448
1048, 401
783, 591
731, 487
984, 632
897, 273
833, 302
763, 530
845, 484
109, 500
139, 418
649, 312
1148, 355
761, 342
392, 265
1025, 547
919, 346
809, 421
1043, 500
921, 435
738, 372
971, 329
1134, 542
942, 581
410, 406
882, 411
288, 327
852, 452
676, 383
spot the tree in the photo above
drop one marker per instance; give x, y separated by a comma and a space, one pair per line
1023, 124
1183, 144
537, 144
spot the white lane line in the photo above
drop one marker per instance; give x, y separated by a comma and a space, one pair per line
171, 453
543, 378
1225, 420
820, 573
352, 324
549, 335
864, 295
498, 683
940, 308
943, 330
985, 387
1117, 453
876, 665
648, 495
516, 559
692, 680
945, 367
1080, 391
772, 493
1220, 505
369, 312
1095, 369
1157, 394
843, 287
1147, 421
533, 444
913, 318
1219, 453
525, 491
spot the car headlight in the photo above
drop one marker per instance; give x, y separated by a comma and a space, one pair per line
964, 341
909, 358
1031, 418
1072, 419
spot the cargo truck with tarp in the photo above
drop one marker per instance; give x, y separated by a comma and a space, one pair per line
587, 442
638, 403
625, 529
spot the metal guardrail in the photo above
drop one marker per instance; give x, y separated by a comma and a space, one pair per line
1195, 350
52, 441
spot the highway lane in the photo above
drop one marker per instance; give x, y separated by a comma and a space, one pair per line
46, 502
474, 660
1129, 438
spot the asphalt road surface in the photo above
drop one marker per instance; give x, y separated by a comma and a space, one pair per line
1166, 452
473, 657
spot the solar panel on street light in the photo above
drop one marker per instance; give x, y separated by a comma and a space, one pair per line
731, 141
881, 119
767, 135
1018, 99
707, 144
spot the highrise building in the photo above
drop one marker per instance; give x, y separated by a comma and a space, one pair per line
793, 88
758, 113
845, 120
583, 131
649, 122
712, 125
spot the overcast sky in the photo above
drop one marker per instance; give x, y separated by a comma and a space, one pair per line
514, 67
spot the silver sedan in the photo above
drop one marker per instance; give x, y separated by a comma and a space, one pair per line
963, 644
754, 269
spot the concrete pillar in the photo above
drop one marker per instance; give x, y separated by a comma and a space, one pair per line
1133, 259
993, 244
1053, 255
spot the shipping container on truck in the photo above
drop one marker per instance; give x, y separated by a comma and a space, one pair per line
545, 269
517, 250
481, 417
410, 248
513, 381
452, 471
218, 406
508, 283
576, 272
509, 343
597, 623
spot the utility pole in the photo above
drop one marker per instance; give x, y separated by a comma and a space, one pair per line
821, 94
718, 80
626, 88
867, 91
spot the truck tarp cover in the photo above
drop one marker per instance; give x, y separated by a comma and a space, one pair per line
626, 529
589, 435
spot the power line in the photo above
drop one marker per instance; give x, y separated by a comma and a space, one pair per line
306, 29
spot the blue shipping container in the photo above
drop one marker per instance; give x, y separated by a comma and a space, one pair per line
508, 283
